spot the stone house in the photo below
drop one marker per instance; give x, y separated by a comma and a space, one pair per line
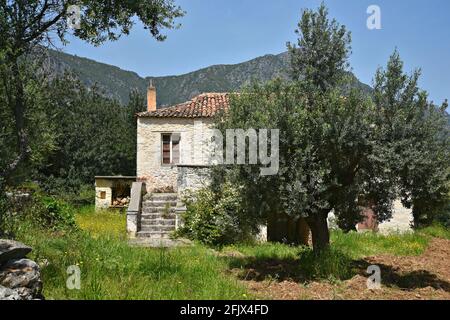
173, 155
174, 143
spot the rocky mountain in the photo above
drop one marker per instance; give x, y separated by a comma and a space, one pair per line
118, 83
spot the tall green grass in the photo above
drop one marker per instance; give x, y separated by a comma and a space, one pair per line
436, 230
358, 245
104, 222
111, 269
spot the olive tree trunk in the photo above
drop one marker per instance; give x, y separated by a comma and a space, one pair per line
319, 231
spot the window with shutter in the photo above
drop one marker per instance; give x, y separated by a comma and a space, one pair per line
166, 149
170, 148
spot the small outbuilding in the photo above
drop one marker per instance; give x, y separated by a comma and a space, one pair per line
112, 191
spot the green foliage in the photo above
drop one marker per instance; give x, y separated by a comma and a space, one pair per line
325, 139
216, 218
325, 149
96, 136
327, 264
111, 269
341, 153
5, 220
85, 196
40, 130
50, 213
413, 141
28, 26
320, 56
341, 261
444, 216
357, 245
436, 230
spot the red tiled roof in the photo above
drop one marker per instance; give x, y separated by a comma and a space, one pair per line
205, 105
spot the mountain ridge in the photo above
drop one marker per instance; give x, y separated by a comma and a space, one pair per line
172, 89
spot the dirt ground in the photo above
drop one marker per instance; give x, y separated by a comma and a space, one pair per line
414, 277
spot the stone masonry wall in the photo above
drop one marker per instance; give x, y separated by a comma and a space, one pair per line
193, 149
102, 185
193, 178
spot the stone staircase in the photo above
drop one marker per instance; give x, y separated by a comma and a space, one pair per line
158, 216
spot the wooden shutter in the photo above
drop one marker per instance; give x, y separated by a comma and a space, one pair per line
166, 148
176, 148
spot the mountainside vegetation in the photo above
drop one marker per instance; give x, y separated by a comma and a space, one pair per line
118, 83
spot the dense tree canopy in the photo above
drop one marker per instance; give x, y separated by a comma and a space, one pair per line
94, 136
413, 138
27, 26
338, 153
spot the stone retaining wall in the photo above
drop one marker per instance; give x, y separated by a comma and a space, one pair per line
192, 178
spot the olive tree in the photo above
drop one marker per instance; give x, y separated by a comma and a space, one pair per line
413, 140
27, 26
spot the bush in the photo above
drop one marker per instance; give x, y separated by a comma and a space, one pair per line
50, 213
216, 218
443, 217
84, 197
76, 193
5, 221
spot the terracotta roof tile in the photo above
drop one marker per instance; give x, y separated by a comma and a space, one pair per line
205, 105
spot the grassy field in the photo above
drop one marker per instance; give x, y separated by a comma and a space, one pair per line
111, 269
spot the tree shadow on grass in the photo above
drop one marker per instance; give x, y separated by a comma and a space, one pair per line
392, 276
303, 268
334, 265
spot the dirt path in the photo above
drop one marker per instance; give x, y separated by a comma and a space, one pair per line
416, 277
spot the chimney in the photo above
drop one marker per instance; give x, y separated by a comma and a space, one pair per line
151, 97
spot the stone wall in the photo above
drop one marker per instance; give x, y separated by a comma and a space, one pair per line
102, 185
192, 178
194, 150
20, 278
400, 222
114, 186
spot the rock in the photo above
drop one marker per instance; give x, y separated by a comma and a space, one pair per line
24, 277
10, 249
8, 294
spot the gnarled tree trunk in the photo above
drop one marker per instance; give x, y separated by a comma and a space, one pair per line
319, 230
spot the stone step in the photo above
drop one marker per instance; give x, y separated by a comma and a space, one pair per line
157, 215
162, 196
157, 221
159, 203
147, 209
154, 234
157, 228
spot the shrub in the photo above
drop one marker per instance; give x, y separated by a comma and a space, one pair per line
84, 197
216, 218
443, 217
5, 221
50, 213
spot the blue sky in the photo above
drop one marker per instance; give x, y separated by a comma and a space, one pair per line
233, 31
